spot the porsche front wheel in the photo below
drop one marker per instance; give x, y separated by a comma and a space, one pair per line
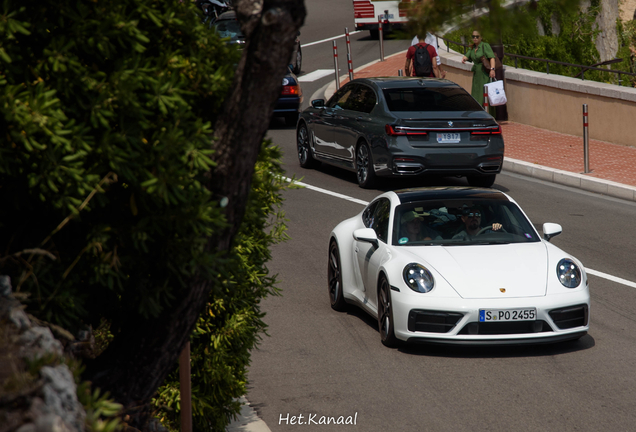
385, 315
334, 277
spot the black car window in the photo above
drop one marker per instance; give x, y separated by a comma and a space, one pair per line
380, 222
340, 98
229, 28
430, 99
367, 214
362, 100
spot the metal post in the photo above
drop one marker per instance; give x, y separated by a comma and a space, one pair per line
185, 389
400, 72
381, 33
335, 64
485, 98
586, 140
349, 54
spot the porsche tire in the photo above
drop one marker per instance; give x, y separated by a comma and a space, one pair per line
385, 315
334, 278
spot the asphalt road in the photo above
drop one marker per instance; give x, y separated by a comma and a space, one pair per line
318, 362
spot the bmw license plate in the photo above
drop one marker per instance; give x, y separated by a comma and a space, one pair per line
447, 137
497, 315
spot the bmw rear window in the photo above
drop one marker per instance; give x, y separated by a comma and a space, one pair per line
430, 99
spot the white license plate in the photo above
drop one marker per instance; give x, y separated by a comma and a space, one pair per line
496, 315
447, 137
384, 16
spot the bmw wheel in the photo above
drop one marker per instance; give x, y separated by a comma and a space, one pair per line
299, 60
364, 167
385, 315
305, 158
334, 277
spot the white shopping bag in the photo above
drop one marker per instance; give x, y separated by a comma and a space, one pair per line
496, 93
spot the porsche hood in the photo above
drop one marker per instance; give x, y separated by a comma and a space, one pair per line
513, 270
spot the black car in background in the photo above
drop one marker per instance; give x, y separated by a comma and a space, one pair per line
401, 127
228, 27
291, 95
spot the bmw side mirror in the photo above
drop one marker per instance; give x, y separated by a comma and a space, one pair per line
367, 235
550, 230
318, 103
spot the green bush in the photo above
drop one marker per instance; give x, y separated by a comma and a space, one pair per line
231, 324
573, 44
106, 114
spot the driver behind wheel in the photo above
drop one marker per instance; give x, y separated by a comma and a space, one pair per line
471, 217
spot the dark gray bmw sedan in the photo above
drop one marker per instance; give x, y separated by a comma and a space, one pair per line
402, 126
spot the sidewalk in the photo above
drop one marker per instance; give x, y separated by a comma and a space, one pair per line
544, 154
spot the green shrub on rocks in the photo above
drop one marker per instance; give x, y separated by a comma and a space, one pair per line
106, 122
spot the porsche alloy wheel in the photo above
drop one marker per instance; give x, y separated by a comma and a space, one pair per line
364, 167
385, 315
305, 158
334, 277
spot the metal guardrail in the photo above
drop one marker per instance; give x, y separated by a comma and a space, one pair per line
583, 68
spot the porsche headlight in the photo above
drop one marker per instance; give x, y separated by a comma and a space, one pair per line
568, 273
418, 278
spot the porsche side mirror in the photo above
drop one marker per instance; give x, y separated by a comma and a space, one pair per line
366, 235
550, 230
318, 103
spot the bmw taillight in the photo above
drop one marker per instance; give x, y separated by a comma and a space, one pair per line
290, 90
489, 131
394, 130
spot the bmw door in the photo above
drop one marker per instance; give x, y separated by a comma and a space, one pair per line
353, 121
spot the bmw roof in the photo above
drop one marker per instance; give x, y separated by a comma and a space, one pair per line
401, 82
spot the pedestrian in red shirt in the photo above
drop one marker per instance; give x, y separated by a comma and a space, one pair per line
423, 57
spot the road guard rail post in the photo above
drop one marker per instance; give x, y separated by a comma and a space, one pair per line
335, 64
381, 33
586, 141
350, 64
400, 72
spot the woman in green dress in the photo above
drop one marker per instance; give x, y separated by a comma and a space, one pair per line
478, 49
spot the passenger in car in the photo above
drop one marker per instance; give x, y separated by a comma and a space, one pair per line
414, 228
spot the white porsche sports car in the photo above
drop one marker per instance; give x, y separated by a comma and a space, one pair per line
457, 265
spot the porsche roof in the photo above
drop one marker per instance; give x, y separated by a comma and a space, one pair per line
444, 193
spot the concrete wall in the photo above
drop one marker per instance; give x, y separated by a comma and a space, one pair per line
555, 102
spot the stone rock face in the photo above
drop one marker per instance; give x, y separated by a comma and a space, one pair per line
607, 39
48, 404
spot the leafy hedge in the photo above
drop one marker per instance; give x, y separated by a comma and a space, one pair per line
232, 323
106, 112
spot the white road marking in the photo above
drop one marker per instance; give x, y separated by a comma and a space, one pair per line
316, 75
364, 203
330, 39
328, 192
610, 277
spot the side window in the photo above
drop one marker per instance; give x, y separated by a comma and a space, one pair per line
340, 99
362, 99
367, 215
380, 223
368, 99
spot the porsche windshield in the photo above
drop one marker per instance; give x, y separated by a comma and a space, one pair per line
461, 222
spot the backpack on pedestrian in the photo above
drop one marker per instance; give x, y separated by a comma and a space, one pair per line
422, 64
